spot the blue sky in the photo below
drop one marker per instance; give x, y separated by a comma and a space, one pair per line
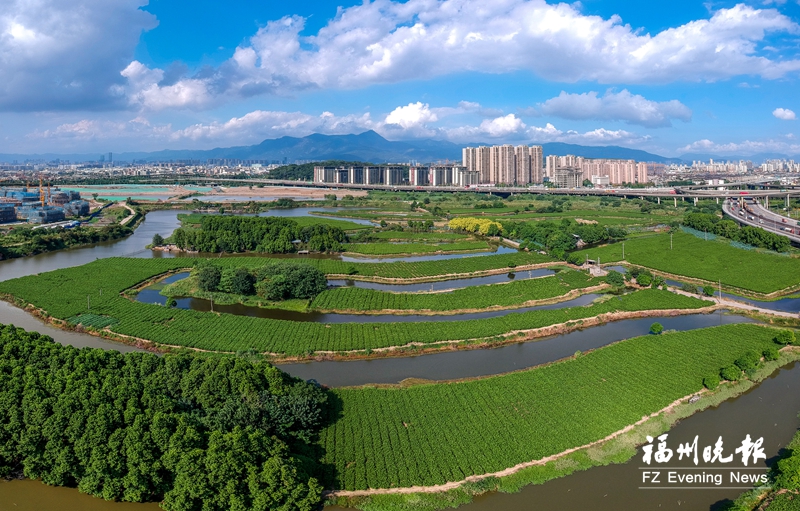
683, 76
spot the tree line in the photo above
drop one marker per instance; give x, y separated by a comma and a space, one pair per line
191, 432
23, 241
727, 228
270, 235
276, 281
559, 238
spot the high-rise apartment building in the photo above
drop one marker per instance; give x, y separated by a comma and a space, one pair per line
504, 164
522, 164
617, 171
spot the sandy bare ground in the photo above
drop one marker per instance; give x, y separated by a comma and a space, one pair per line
283, 191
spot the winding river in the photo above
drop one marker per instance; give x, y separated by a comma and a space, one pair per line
768, 410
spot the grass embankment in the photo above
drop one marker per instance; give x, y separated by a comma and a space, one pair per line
415, 248
63, 293
710, 261
437, 433
517, 293
419, 236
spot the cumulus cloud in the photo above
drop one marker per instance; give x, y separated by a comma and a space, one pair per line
412, 115
412, 121
385, 41
616, 106
67, 54
784, 114
599, 136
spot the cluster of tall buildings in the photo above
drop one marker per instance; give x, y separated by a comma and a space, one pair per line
504, 164
600, 171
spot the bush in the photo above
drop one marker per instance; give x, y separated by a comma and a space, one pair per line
158, 240
208, 277
748, 361
644, 280
731, 373
658, 282
656, 328
788, 473
615, 279
285, 281
708, 290
771, 353
172, 303
242, 282
689, 288
785, 337
711, 381
575, 259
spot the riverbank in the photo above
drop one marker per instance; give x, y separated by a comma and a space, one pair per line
616, 447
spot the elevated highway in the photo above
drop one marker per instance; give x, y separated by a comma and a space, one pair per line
631, 193
759, 216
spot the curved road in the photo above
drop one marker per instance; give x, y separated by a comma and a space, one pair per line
762, 217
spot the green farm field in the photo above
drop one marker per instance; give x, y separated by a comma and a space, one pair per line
415, 248
419, 236
495, 295
436, 433
708, 260
63, 294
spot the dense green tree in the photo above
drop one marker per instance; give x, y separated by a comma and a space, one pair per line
615, 278
656, 328
195, 433
209, 277
272, 235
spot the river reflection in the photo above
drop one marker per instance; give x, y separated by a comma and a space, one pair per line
486, 362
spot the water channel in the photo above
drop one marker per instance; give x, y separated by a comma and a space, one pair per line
768, 410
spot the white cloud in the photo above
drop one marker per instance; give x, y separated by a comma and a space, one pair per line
67, 54
745, 148
599, 136
784, 114
616, 106
412, 115
502, 126
386, 41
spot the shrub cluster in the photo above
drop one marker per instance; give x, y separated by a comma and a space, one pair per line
276, 281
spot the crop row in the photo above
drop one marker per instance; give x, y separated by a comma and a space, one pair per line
513, 293
432, 434
413, 248
64, 293
684, 254
408, 235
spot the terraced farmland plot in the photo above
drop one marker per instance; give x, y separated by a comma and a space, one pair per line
502, 295
432, 434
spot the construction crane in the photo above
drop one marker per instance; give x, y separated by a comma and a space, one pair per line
41, 191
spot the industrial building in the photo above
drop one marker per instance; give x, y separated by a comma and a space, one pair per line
443, 175
390, 176
76, 208
40, 214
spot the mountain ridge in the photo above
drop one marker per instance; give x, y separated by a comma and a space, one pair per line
366, 146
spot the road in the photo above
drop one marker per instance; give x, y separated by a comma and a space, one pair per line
758, 216
633, 193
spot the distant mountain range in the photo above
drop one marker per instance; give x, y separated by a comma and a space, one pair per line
367, 146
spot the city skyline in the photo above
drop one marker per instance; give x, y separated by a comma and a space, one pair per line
136, 76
